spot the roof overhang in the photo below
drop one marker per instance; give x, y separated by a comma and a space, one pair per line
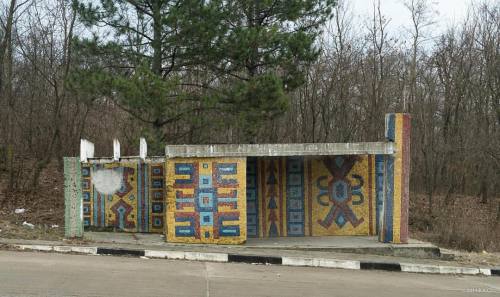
287, 149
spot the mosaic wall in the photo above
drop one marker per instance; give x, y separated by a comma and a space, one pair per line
123, 196
342, 195
296, 196
394, 224
221, 200
206, 200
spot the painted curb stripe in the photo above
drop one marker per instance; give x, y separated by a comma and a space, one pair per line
254, 259
120, 252
380, 266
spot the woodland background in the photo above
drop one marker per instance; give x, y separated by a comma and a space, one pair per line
185, 72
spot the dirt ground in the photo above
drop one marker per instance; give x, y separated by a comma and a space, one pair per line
482, 259
461, 223
44, 208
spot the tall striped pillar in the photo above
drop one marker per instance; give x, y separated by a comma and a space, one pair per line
73, 214
394, 222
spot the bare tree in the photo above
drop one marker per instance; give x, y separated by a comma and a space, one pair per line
422, 15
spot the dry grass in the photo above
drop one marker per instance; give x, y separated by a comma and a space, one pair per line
44, 208
463, 223
14, 229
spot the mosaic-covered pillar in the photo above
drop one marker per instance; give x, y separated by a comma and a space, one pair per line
73, 215
394, 223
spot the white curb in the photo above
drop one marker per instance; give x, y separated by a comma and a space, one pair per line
44, 248
62, 249
84, 250
59, 248
485, 271
212, 257
419, 268
289, 261
193, 256
175, 255
437, 269
458, 270
321, 262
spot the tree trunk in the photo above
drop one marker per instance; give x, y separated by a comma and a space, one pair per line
6, 90
157, 35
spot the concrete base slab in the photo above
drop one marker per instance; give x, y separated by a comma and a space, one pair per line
338, 244
265, 256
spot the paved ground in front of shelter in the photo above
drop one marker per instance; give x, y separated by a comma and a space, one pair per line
46, 274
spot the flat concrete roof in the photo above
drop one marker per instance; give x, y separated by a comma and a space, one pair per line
287, 149
125, 159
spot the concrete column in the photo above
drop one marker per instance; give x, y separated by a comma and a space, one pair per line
86, 150
394, 222
73, 214
143, 149
116, 150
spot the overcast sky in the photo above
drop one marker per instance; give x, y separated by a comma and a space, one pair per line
448, 11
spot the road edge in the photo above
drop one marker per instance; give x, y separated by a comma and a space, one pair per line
267, 260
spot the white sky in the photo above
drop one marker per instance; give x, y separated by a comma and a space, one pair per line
448, 12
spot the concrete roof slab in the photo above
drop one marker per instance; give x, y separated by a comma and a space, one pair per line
287, 149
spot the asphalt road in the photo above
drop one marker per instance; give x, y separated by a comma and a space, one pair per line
43, 274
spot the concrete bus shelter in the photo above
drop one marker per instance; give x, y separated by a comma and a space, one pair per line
224, 194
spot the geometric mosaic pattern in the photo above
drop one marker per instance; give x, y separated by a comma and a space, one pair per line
394, 223
338, 192
312, 196
138, 203
379, 189
252, 198
295, 196
342, 195
271, 197
205, 200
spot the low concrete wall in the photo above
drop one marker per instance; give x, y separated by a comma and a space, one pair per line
124, 196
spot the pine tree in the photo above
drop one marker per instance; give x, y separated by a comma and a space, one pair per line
164, 61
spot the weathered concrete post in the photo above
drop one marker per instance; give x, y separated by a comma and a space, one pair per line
73, 215
86, 150
143, 149
394, 222
116, 150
